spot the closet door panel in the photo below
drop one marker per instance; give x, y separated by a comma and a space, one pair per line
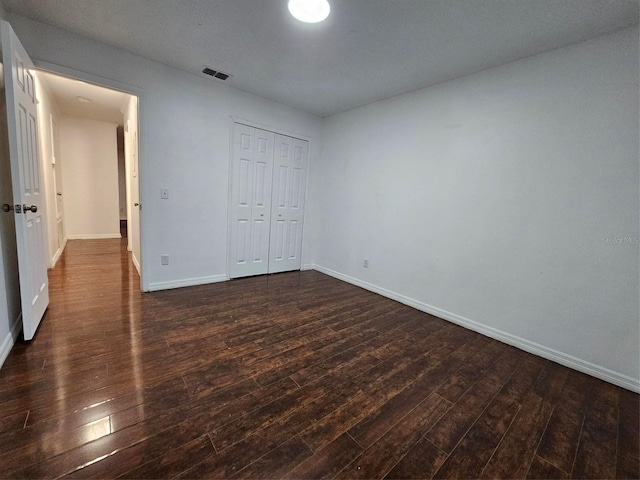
251, 181
289, 182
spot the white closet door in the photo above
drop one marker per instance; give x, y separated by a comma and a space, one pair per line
289, 183
251, 196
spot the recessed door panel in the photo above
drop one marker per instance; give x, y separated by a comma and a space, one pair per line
243, 187
259, 235
282, 187
296, 188
279, 240
32, 133
242, 229
292, 240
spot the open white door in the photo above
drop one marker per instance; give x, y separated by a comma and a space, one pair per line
26, 180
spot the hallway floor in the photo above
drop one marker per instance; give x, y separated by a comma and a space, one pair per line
294, 375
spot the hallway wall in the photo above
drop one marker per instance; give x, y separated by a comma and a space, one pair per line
91, 200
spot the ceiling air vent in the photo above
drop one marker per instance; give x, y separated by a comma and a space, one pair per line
215, 74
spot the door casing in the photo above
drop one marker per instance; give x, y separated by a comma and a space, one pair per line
142, 176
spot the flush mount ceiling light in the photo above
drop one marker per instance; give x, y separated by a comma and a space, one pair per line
309, 11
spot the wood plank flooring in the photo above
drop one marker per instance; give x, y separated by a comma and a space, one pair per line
295, 375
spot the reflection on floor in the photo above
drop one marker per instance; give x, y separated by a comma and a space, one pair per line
294, 375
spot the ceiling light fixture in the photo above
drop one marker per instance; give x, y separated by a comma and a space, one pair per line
309, 11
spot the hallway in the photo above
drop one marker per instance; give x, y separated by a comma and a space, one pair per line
296, 375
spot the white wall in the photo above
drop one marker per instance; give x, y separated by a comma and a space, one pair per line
88, 149
184, 146
489, 199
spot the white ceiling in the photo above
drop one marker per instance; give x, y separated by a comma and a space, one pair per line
106, 105
367, 50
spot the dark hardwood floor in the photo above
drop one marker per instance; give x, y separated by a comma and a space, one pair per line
296, 375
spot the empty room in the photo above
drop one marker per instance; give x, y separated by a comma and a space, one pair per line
347, 239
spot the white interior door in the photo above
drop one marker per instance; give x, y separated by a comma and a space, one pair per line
251, 200
289, 182
26, 180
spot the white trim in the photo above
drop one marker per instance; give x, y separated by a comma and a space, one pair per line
92, 236
309, 266
10, 340
58, 254
136, 263
269, 128
86, 76
186, 282
570, 361
229, 260
142, 141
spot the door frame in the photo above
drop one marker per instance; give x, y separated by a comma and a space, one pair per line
277, 130
142, 139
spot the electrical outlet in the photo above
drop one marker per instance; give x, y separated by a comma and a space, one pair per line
164, 259
164, 193
365, 264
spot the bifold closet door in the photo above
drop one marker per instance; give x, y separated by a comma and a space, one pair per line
287, 203
252, 178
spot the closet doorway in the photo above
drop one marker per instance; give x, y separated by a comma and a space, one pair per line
268, 184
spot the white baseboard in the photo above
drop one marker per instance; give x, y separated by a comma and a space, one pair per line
570, 361
58, 254
92, 236
10, 340
136, 263
187, 282
308, 266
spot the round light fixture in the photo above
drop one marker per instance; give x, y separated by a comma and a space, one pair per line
309, 11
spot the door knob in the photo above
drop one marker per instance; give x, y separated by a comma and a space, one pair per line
32, 208
6, 207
